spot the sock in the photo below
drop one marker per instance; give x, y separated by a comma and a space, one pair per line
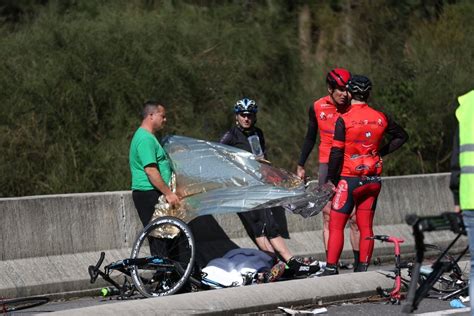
356, 256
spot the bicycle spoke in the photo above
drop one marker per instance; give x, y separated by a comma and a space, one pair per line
172, 261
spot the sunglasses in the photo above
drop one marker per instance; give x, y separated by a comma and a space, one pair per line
244, 114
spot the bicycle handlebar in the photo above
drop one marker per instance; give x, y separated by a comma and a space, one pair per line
446, 221
385, 238
379, 237
94, 270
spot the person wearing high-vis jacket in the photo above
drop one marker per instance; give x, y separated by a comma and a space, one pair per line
462, 170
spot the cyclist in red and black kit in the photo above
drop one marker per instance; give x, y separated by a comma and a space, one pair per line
263, 225
355, 165
322, 117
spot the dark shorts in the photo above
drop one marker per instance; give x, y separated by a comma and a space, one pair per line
361, 192
259, 223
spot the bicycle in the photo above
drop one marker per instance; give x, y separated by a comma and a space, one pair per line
161, 261
16, 304
165, 272
394, 295
444, 288
449, 283
162, 258
445, 270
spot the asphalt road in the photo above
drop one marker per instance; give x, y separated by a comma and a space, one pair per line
362, 306
376, 306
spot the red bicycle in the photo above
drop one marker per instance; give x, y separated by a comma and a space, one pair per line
394, 295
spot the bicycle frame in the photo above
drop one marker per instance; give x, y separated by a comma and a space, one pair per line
124, 267
394, 295
94, 272
445, 221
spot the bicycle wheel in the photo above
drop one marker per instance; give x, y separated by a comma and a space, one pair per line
16, 304
448, 282
168, 249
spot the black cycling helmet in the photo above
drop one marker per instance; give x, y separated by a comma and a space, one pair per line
359, 87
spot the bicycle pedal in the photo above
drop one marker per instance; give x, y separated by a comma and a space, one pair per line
382, 292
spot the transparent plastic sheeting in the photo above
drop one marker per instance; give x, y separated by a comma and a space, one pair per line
214, 178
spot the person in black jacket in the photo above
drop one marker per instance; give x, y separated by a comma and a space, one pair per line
261, 224
455, 171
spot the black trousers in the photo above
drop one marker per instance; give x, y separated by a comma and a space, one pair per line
145, 202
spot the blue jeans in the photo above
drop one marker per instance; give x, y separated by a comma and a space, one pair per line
468, 217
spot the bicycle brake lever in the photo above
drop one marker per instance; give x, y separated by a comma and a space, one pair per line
375, 238
382, 238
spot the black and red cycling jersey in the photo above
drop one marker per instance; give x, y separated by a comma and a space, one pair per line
356, 148
322, 116
356, 159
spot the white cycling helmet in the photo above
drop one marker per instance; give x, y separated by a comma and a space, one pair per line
245, 106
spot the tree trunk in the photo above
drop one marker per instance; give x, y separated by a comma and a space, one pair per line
304, 33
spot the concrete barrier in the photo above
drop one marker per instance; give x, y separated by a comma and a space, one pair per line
47, 242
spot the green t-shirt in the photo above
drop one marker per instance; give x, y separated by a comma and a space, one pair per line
145, 150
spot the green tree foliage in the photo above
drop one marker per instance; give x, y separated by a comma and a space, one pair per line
418, 55
75, 73
73, 83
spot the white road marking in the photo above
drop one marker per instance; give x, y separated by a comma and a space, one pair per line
447, 312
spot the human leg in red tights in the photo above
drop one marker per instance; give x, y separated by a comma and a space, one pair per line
365, 198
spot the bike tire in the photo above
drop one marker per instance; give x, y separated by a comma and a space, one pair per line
159, 279
438, 250
16, 304
446, 283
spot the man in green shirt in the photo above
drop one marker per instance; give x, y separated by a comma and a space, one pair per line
149, 164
